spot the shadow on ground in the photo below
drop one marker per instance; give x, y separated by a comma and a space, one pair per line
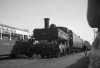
19, 57
82, 63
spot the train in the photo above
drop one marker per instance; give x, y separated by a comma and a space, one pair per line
55, 41
50, 41
10, 37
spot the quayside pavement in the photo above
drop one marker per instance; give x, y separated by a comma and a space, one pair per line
77, 60
83, 62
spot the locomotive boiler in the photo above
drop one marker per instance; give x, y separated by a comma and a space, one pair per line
53, 41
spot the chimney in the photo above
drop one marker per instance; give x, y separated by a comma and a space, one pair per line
46, 21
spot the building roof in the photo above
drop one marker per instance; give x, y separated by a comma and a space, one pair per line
25, 30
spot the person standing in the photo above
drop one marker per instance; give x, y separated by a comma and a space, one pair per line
93, 17
85, 49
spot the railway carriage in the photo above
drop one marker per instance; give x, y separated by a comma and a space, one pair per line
8, 37
75, 42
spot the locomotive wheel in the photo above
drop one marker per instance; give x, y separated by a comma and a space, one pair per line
64, 54
42, 56
30, 54
51, 56
57, 54
48, 56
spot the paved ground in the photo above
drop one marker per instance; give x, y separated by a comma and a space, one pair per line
70, 61
81, 63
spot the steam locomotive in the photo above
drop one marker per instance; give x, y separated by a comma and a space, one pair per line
56, 41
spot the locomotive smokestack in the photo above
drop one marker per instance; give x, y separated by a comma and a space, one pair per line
46, 20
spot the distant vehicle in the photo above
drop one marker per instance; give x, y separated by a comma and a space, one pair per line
9, 37
56, 41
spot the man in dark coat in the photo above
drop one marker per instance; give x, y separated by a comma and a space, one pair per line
93, 16
85, 49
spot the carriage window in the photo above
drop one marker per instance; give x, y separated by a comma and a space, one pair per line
25, 37
13, 34
9, 29
20, 37
5, 33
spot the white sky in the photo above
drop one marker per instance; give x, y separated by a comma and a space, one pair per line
29, 14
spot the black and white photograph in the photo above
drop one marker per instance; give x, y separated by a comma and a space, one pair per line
49, 33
